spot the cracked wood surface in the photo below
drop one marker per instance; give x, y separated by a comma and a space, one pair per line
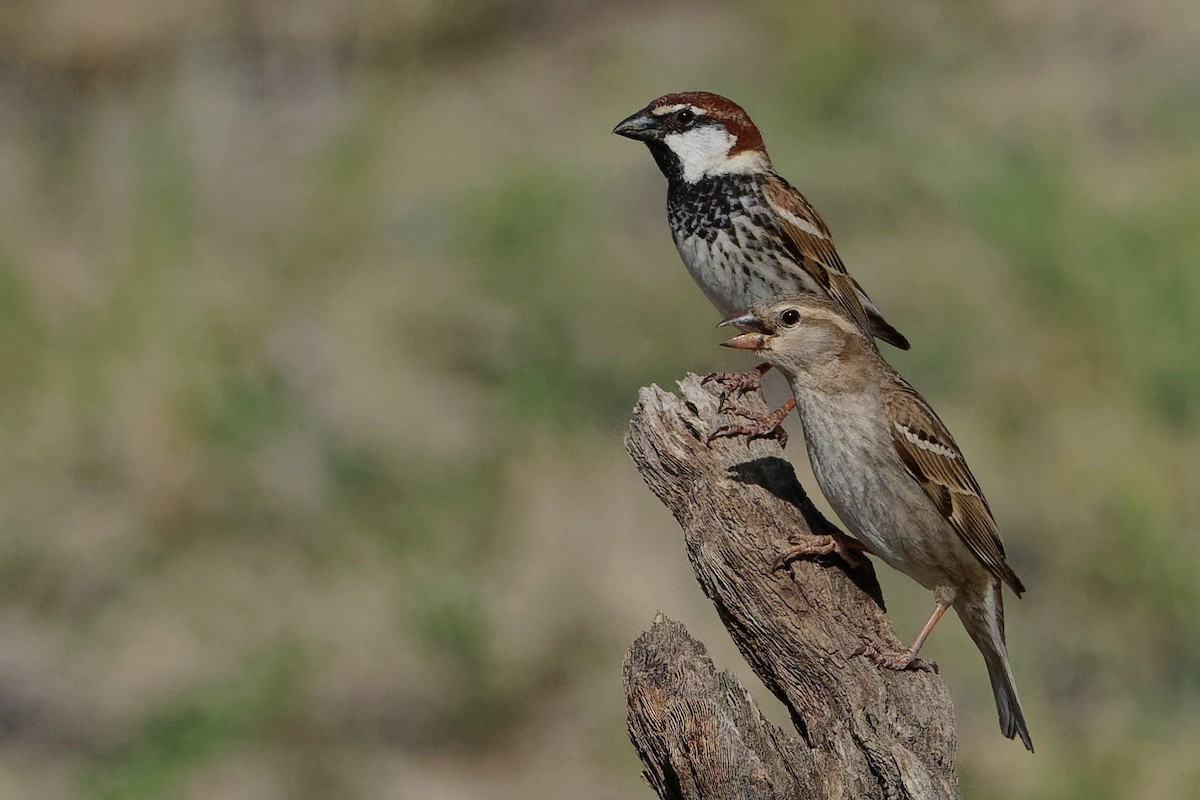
861, 732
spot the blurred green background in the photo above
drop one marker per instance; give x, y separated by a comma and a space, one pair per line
320, 323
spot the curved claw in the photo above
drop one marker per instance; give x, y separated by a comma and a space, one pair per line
720, 433
735, 382
759, 428
822, 545
898, 660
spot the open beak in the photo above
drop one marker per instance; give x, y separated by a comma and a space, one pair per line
747, 341
757, 334
641, 127
746, 320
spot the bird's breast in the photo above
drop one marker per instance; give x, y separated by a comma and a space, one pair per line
731, 247
865, 482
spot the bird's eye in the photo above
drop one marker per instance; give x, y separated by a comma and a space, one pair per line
790, 317
685, 116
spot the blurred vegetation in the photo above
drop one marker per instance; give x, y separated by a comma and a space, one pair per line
321, 324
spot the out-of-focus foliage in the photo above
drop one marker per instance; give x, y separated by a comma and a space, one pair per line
320, 323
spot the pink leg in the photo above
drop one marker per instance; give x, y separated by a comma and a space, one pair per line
906, 658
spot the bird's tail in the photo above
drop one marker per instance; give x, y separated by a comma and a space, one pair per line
984, 622
882, 329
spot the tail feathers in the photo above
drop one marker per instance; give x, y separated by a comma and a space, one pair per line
880, 328
884, 331
985, 624
1008, 705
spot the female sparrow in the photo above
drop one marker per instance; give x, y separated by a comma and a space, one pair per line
894, 475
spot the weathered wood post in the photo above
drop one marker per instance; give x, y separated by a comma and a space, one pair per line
861, 732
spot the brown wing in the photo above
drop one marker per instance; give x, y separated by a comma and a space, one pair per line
880, 326
807, 241
935, 462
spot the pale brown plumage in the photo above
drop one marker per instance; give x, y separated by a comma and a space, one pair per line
937, 464
894, 475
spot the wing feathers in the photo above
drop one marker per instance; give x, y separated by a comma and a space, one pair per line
808, 243
933, 459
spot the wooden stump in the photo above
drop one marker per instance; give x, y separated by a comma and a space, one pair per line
861, 732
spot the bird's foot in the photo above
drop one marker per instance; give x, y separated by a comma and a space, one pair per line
822, 545
758, 427
736, 383
893, 659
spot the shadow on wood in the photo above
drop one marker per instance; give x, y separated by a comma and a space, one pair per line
862, 732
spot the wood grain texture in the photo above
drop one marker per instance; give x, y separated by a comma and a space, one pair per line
861, 732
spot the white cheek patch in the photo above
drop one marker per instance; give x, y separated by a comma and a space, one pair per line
747, 162
700, 150
705, 151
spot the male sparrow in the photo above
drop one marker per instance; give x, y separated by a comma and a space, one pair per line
744, 233
893, 474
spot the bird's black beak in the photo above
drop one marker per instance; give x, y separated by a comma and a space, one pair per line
746, 320
757, 337
642, 127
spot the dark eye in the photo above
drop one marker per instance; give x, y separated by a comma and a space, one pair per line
685, 116
790, 317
